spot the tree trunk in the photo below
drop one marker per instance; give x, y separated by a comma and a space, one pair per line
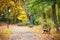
54, 13
44, 17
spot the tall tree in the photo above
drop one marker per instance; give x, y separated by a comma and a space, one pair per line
55, 13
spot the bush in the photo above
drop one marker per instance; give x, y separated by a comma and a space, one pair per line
45, 26
5, 33
38, 21
24, 23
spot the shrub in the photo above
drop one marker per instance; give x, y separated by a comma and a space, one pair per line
5, 33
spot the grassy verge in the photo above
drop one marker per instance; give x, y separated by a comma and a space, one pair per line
5, 33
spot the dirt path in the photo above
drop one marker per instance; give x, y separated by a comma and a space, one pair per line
25, 33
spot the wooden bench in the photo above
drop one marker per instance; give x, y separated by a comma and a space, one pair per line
47, 30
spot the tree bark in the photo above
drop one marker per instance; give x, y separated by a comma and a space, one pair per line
54, 14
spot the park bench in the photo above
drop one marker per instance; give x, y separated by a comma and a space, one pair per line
46, 29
